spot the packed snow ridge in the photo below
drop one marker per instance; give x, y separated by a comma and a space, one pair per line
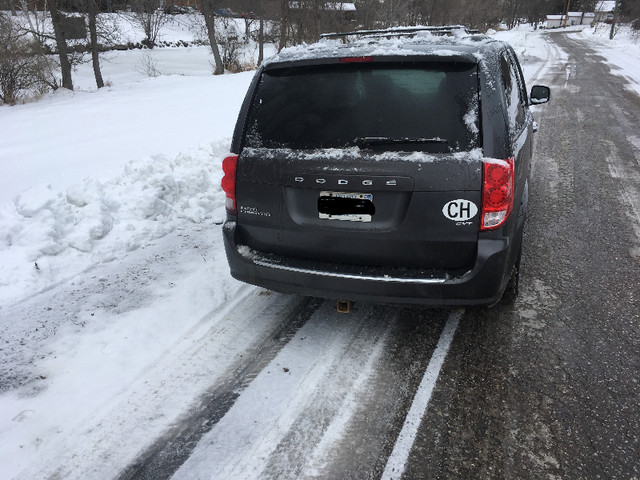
49, 235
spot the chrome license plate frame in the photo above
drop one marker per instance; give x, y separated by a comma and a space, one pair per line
350, 217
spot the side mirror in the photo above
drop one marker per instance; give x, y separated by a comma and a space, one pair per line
540, 94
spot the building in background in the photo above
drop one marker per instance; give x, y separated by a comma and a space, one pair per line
574, 18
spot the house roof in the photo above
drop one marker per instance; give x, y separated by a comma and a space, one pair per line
579, 14
605, 6
571, 15
343, 6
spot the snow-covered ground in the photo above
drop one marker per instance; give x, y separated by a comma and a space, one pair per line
113, 279
623, 54
535, 53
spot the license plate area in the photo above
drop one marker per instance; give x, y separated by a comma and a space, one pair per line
353, 207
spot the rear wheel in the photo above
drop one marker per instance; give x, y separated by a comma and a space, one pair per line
511, 292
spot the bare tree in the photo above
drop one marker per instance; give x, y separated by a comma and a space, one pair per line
261, 41
35, 23
512, 11
228, 41
285, 21
368, 13
22, 70
252, 12
535, 11
210, 22
150, 18
34, 26
583, 5
630, 12
57, 19
402, 12
92, 10
304, 20
12, 7
435, 12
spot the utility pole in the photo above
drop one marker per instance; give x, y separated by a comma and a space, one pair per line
613, 22
566, 14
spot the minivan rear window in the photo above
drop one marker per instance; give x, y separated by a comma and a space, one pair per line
429, 107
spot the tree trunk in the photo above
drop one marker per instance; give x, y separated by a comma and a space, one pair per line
261, 42
210, 22
12, 6
93, 34
65, 65
566, 13
612, 33
148, 29
285, 20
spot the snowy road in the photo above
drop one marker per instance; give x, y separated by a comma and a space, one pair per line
548, 389
154, 371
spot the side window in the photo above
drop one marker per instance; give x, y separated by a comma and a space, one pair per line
524, 98
513, 94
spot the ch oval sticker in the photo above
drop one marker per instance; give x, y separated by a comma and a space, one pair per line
460, 210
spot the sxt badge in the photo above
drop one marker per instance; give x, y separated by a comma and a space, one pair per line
460, 210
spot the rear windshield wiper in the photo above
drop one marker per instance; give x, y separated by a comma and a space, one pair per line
367, 141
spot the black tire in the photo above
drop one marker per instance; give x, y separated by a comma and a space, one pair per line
511, 291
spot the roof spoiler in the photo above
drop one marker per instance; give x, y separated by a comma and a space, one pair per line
401, 31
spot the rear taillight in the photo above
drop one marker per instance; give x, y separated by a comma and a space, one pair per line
229, 167
497, 192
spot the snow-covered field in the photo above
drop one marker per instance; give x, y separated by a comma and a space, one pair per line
88, 173
89, 176
111, 255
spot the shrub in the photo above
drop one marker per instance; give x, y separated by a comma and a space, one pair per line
23, 68
227, 38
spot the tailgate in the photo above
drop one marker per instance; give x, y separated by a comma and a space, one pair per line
398, 210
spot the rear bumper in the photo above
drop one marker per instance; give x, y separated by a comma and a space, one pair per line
481, 285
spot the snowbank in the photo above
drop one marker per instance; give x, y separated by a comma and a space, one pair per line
533, 50
622, 53
68, 136
49, 236
90, 175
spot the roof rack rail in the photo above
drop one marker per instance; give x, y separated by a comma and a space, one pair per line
399, 31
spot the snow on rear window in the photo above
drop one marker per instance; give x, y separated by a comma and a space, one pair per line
355, 153
471, 118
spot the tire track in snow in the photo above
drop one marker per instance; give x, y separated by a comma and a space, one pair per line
166, 391
169, 452
303, 395
305, 450
553, 55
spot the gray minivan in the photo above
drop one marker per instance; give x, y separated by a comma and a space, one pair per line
386, 166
